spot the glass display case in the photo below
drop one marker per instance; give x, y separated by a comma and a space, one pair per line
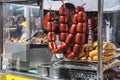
16, 26
23, 36
27, 40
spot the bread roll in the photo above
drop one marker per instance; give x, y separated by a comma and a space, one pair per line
84, 58
89, 59
95, 44
108, 58
93, 53
87, 47
109, 46
82, 54
95, 58
109, 52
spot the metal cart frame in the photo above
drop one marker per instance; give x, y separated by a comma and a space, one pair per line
100, 21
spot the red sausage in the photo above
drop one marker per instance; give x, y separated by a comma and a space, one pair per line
84, 27
66, 11
67, 35
62, 19
54, 51
69, 39
50, 16
53, 36
62, 42
76, 48
50, 26
83, 38
62, 27
77, 9
53, 26
70, 55
65, 49
62, 36
50, 45
62, 10
66, 53
54, 45
66, 28
85, 17
80, 16
62, 47
66, 19
49, 36
79, 27
74, 19
73, 29
78, 38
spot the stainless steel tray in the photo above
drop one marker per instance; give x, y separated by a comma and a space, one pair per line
85, 65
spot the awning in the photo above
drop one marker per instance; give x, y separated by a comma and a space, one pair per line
91, 5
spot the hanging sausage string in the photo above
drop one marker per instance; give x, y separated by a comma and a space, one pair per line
71, 39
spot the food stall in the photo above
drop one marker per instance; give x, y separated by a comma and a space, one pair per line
41, 54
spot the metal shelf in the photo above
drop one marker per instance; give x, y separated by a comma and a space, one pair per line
86, 65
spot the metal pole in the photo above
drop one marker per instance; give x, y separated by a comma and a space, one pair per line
100, 41
28, 32
1, 34
41, 14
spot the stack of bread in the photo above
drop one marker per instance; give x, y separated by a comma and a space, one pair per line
90, 52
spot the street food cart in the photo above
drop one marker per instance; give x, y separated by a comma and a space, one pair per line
33, 54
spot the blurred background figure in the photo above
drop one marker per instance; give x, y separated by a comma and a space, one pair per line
22, 27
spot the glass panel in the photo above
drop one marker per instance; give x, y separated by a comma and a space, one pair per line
16, 36
13, 15
15, 26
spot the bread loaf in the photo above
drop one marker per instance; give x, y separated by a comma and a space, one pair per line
109, 46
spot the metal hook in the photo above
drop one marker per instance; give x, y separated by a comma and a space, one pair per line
63, 3
83, 3
49, 5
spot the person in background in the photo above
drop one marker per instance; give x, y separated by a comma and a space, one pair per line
23, 25
23, 28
